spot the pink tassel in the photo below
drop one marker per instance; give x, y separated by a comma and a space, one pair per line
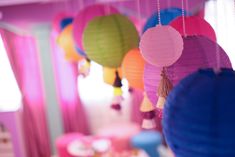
148, 124
164, 88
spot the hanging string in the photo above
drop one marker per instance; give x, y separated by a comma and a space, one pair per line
138, 10
107, 8
186, 6
81, 4
183, 18
217, 69
168, 3
147, 8
158, 11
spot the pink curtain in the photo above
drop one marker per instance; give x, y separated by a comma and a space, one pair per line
23, 57
66, 73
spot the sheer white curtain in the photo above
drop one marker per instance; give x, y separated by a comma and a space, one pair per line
97, 98
221, 15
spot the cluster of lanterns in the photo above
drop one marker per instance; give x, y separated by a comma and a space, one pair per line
167, 51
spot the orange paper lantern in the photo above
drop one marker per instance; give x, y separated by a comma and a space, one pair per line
109, 75
66, 42
133, 68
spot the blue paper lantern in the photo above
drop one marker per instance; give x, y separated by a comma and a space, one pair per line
167, 15
199, 115
148, 141
65, 22
81, 52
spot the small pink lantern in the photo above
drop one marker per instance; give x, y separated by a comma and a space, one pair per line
161, 45
194, 25
86, 15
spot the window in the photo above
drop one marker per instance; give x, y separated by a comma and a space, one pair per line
220, 14
10, 96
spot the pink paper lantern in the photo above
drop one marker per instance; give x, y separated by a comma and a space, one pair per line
199, 52
194, 25
86, 15
161, 45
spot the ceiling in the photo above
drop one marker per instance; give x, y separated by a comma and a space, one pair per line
18, 2
24, 12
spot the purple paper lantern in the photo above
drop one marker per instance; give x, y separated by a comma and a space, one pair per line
199, 52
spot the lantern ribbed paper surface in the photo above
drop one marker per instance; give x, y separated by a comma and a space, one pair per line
198, 119
199, 52
194, 25
161, 45
85, 16
167, 15
107, 39
65, 41
133, 68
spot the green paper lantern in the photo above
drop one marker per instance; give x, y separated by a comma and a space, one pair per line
107, 39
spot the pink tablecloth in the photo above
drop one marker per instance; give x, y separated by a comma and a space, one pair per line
63, 141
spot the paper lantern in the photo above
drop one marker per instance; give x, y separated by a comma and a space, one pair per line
194, 26
66, 21
148, 141
65, 41
133, 68
199, 52
85, 16
167, 15
56, 24
107, 39
80, 51
199, 117
161, 45
109, 75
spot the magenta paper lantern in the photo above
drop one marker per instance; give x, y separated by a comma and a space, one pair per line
194, 25
85, 16
161, 45
199, 52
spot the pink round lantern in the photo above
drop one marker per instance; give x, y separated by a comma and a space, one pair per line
86, 15
161, 45
194, 25
199, 52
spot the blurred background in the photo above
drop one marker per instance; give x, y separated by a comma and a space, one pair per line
47, 99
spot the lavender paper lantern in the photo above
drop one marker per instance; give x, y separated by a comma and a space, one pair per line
199, 52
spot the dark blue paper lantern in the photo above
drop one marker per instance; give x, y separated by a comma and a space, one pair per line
167, 15
65, 22
199, 115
